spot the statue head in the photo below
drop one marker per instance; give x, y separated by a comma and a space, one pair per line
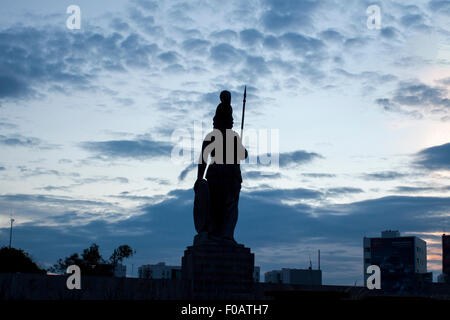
225, 97
223, 119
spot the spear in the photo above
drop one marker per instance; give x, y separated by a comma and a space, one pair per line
243, 110
10, 232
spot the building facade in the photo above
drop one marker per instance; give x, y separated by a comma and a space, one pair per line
294, 276
120, 271
446, 254
256, 274
159, 271
445, 276
273, 276
402, 260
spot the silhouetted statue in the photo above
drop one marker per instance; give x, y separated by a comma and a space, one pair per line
217, 197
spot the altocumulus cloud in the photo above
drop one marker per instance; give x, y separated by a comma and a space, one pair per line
384, 175
17, 140
415, 98
409, 189
259, 175
31, 56
434, 158
287, 15
137, 149
442, 6
297, 157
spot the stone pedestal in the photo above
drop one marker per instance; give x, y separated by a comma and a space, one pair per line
218, 270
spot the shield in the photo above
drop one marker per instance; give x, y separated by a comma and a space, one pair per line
201, 206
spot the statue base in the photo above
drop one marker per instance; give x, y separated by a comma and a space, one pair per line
218, 269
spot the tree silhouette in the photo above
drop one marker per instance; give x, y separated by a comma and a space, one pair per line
92, 256
91, 261
122, 252
14, 260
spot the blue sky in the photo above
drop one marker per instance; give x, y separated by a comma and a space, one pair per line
86, 118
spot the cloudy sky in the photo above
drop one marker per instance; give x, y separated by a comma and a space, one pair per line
87, 122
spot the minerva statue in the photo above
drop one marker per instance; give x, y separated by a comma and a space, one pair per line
217, 197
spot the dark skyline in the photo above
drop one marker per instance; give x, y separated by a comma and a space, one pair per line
87, 117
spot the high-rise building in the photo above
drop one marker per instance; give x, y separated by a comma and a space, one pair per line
402, 260
159, 271
446, 254
445, 277
256, 273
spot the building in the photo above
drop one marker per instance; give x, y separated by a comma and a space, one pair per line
120, 271
445, 276
294, 276
442, 278
256, 274
159, 271
273, 276
402, 260
144, 272
446, 254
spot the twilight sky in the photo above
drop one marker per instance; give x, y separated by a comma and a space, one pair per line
87, 120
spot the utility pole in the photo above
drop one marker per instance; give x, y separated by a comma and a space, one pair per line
10, 233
